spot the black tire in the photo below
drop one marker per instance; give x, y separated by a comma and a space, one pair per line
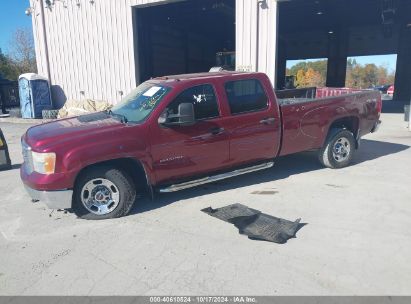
329, 159
124, 188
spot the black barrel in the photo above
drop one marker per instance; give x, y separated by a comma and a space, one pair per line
5, 162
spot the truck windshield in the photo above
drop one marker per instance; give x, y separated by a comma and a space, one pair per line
139, 104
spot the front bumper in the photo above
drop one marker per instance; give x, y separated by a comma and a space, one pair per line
60, 199
376, 126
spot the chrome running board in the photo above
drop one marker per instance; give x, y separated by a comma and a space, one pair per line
210, 179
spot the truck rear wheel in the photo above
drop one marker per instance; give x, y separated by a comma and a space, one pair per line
103, 193
338, 151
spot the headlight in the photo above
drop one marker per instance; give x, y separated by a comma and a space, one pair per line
44, 163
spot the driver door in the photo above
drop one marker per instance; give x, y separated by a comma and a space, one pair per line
179, 152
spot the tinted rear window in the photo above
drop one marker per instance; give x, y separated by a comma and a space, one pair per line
245, 96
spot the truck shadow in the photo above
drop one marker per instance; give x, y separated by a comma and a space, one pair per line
373, 149
284, 167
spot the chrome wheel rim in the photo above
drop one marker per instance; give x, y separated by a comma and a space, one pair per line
100, 196
341, 149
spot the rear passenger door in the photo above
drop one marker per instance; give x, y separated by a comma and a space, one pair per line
254, 124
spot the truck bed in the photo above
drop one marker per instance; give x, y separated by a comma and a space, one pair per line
290, 101
307, 94
306, 120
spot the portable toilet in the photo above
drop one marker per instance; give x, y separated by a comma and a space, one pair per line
35, 95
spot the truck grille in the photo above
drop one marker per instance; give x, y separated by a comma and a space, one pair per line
28, 160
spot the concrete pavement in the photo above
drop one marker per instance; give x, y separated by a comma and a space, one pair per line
357, 241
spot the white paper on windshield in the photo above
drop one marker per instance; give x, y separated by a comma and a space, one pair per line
150, 92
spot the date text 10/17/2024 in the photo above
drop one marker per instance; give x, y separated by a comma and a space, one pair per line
204, 299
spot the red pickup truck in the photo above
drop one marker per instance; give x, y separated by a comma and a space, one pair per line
176, 132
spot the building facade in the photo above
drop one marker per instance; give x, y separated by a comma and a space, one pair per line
101, 49
90, 49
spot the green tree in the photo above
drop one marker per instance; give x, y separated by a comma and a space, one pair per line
320, 66
369, 75
314, 73
300, 69
351, 62
21, 56
385, 76
7, 67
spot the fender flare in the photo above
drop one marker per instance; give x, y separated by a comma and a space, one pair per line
334, 131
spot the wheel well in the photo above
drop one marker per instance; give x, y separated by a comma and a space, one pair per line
132, 167
350, 123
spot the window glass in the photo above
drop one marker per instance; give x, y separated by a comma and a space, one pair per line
139, 104
245, 96
202, 97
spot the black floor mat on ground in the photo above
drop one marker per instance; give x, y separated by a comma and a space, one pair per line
255, 224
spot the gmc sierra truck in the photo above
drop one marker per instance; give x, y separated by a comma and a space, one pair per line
176, 132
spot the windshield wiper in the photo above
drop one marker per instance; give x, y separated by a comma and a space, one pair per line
123, 118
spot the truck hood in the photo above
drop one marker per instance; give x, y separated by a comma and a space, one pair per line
45, 136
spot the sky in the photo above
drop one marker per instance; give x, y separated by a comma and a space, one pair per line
12, 17
388, 60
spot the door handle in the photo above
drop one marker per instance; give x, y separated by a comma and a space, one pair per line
217, 131
267, 121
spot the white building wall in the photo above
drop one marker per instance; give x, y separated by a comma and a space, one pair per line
91, 46
247, 32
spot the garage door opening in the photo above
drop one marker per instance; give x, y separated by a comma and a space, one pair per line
183, 37
372, 72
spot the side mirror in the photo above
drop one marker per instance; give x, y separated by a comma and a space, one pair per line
185, 116
186, 113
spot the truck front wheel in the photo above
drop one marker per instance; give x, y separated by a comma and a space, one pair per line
103, 193
338, 151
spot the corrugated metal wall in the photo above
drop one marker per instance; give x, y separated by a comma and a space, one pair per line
91, 45
246, 36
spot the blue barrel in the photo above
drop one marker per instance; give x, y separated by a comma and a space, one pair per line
35, 95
